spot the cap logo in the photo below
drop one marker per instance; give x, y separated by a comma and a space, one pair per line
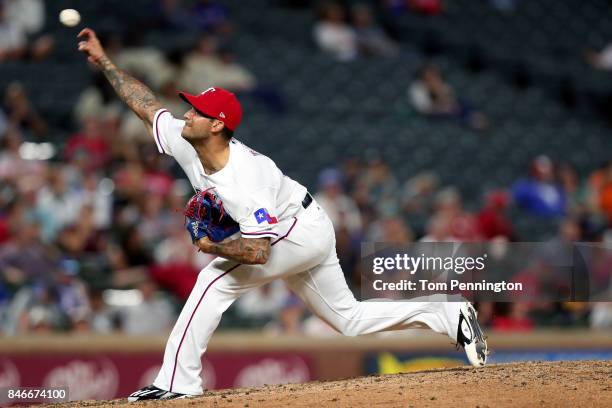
222, 115
211, 89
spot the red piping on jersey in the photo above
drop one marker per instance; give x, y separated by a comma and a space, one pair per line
157, 132
202, 297
288, 232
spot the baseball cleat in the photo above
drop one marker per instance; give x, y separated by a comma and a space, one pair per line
151, 392
470, 336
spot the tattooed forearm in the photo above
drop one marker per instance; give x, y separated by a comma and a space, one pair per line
133, 92
242, 250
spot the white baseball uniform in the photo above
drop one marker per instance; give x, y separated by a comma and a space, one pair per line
266, 203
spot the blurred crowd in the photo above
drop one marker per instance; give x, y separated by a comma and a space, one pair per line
21, 36
94, 240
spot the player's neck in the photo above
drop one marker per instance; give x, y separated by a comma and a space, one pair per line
213, 153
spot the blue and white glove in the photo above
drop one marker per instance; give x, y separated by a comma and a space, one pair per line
205, 217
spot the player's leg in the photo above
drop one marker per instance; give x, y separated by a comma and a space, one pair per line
217, 287
324, 290
215, 290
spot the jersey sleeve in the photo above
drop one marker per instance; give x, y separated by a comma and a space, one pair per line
167, 132
258, 220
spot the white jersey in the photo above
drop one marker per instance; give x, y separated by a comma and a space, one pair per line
254, 192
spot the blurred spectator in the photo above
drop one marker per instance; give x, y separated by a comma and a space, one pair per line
372, 39
504, 5
58, 204
595, 183
571, 185
427, 7
263, 302
168, 97
438, 229
352, 169
18, 19
158, 179
27, 14
172, 15
231, 75
21, 113
601, 316
98, 102
8, 195
601, 185
152, 315
493, 222
211, 16
540, 194
203, 69
569, 232
129, 180
341, 209
103, 319
418, 199
199, 65
3, 123
133, 247
396, 7
24, 257
602, 59
333, 35
154, 220
291, 315
143, 61
37, 311
91, 143
462, 224
98, 194
73, 298
13, 40
381, 186
556, 255
431, 95
27, 174
392, 231
177, 262
515, 317
345, 216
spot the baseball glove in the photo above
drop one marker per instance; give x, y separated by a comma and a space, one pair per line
205, 217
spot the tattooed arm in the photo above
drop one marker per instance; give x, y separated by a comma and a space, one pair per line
134, 93
249, 251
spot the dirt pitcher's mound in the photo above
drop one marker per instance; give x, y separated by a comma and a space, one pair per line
533, 384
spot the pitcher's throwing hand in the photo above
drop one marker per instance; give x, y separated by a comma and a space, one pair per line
90, 46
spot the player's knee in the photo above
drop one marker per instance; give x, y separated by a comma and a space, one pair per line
349, 330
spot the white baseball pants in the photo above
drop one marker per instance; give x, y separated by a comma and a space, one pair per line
306, 259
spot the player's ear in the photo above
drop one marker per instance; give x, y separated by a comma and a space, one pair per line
218, 126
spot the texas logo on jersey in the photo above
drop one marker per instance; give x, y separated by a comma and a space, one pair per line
262, 215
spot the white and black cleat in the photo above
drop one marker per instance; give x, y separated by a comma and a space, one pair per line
470, 336
152, 392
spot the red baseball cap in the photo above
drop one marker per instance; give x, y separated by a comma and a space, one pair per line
217, 103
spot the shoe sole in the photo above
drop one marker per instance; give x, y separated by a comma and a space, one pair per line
476, 351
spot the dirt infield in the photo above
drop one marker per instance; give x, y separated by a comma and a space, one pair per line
533, 384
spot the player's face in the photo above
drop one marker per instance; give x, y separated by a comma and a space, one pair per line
197, 126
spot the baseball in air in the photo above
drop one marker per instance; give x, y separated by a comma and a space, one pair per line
69, 17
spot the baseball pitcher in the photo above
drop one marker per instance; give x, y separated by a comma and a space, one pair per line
263, 226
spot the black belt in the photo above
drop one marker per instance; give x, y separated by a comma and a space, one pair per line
307, 200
